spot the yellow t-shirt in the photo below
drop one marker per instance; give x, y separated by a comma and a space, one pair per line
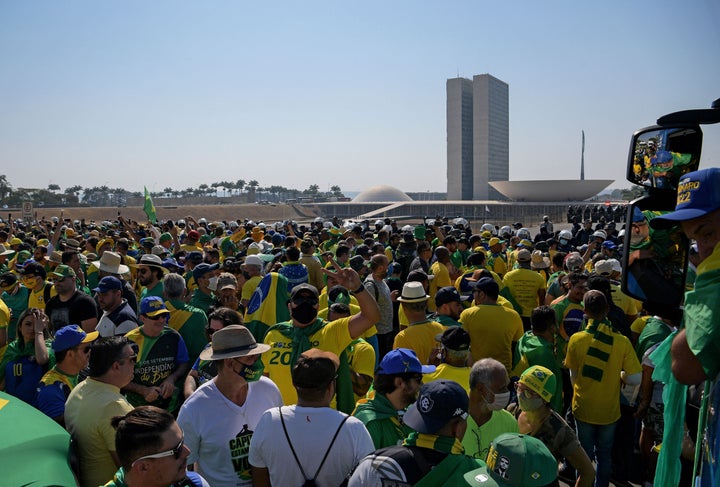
442, 279
639, 324
492, 329
249, 287
361, 358
524, 285
598, 401
421, 338
37, 298
461, 375
622, 300
333, 337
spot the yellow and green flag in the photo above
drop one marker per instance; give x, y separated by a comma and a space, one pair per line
268, 305
149, 208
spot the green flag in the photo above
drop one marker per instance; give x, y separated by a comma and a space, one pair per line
149, 208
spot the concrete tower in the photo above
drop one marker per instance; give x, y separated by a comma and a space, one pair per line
477, 137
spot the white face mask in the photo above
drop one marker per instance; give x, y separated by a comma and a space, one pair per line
501, 400
212, 283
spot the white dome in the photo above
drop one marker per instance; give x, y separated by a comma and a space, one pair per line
381, 193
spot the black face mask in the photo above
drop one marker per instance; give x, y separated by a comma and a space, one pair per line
246, 275
305, 313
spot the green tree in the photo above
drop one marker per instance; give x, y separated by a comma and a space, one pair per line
53, 187
5, 188
240, 184
336, 191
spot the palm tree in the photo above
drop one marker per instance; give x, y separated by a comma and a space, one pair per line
5, 188
240, 184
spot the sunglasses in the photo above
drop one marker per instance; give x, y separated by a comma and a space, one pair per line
175, 452
299, 301
85, 350
131, 358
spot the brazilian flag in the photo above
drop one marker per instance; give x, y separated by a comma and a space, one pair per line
268, 305
149, 208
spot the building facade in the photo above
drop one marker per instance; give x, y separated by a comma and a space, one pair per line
477, 137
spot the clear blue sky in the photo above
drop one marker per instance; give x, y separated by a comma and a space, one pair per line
171, 93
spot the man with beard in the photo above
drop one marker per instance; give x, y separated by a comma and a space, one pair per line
220, 442
70, 305
305, 330
152, 451
397, 381
150, 274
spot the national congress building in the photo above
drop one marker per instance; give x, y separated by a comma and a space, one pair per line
477, 137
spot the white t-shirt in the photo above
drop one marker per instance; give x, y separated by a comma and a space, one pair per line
218, 431
310, 430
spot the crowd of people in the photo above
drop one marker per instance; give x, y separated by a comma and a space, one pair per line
245, 353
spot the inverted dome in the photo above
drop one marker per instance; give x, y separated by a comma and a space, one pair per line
557, 190
381, 193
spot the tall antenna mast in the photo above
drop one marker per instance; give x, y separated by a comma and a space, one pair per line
582, 158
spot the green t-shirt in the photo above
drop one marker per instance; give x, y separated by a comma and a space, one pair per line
477, 438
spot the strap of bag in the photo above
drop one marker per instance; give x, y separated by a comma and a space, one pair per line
327, 452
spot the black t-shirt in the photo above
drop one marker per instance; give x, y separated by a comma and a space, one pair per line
78, 308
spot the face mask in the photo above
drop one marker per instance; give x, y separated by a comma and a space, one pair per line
563, 241
501, 400
530, 403
305, 313
30, 282
252, 373
246, 275
212, 283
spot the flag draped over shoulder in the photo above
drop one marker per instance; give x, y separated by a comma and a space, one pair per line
268, 305
149, 208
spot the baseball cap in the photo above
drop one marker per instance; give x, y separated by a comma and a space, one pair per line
438, 402
315, 369
226, 281
603, 267
108, 283
495, 241
195, 257
540, 380
71, 336
697, 196
63, 271
152, 306
193, 235
448, 294
524, 255
202, 269
307, 288
609, 244
419, 275
254, 260
402, 361
487, 285
515, 460
616, 265
454, 338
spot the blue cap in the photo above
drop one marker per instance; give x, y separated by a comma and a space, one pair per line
609, 244
697, 196
71, 336
108, 283
439, 402
202, 269
662, 157
448, 294
638, 215
195, 257
152, 306
403, 361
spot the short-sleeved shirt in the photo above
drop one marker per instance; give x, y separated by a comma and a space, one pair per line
492, 329
88, 411
74, 311
333, 337
461, 375
523, 285
596, 393
477, 438
157, 358
53, 390
421, 338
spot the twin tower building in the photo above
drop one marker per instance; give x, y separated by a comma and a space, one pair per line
477, 137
